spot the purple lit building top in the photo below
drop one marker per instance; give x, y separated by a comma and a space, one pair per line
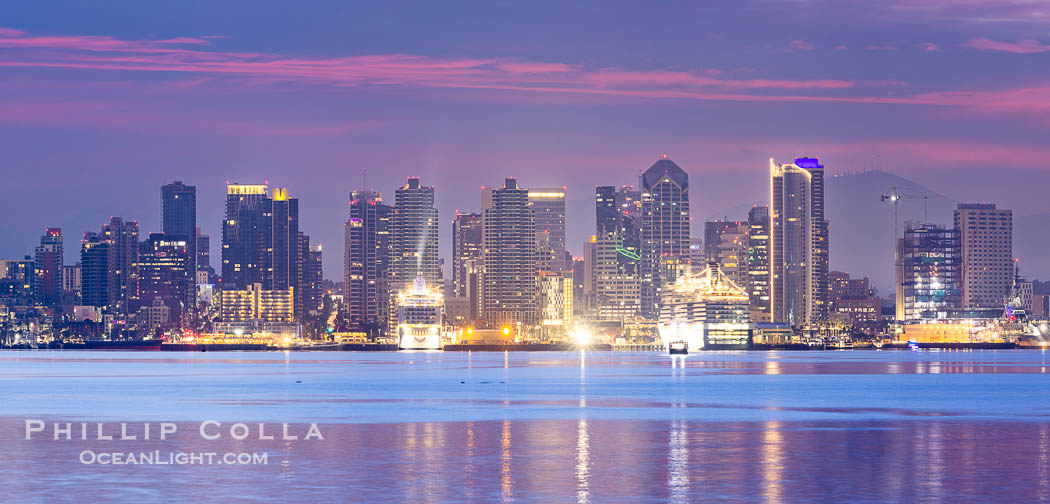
808, 163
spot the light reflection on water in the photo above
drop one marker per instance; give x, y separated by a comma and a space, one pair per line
592, 427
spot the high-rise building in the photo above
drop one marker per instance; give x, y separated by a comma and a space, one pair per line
164, 272
312, 276
799, 239
242, 233
94, 270
929, 273
280, 249
203, 247
71, 280
616, 254
17, 277
366, 260
665, 231
556, 311
579, 281
123, 240
48, 268
548, 208
758, 284
726, 243
178, 212
510, 285
414, 237
466, 260
986, 238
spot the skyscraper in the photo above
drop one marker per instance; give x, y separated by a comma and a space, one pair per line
94, 270
312, 275
726, 243
986, 237
799, 239
664, 229
929, 273
47, 285
758, 262
466, 260
510, 285
366, 259
242, 232
164, 273
414, 237
178, 203
280, 249
616, 254
123, 247
548, 208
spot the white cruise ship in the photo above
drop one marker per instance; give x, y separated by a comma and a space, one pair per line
704, 310
419, 317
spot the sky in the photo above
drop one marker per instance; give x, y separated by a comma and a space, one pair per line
103, 102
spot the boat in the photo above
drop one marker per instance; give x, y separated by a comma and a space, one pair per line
143, 344
419, 317
679, 347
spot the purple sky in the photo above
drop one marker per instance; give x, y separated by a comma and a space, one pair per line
100, 104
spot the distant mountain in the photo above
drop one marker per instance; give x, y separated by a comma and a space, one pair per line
861, 225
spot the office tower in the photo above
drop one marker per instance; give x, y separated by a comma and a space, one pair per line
799, 243
71, 280
664, 229
578, 282
616, 254
929, 273
123, 240
510, 285
758, 262
48, 268
366, 259
556, 311
696, 251
548, 209
726, 243
466, 260
414, 237
178, 203
312, 275
279, 247
94, 270
986, 238
242, 232
588, 301
203, 248
165, 273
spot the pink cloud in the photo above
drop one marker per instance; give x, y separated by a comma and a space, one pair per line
10, 32
929, 47
841, 47
799, 45
1022, 47
881, 47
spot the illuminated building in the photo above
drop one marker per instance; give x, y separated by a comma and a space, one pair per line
726, 242
94, 271
419, 319
365, 260
257, 311
178, 212
664, 232
556, 311
986, 242
164, 273
705, 309
242, 232
548, 210
799, 243
312, 276
17, 278
510, 284
616, 254
123, 240
466, 261
758, 262
48, 263
203, 251
414, 238
928, 273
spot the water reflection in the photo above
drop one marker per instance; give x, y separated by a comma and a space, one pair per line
592, 459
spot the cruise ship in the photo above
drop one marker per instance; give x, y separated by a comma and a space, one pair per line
704, 310
419, 317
